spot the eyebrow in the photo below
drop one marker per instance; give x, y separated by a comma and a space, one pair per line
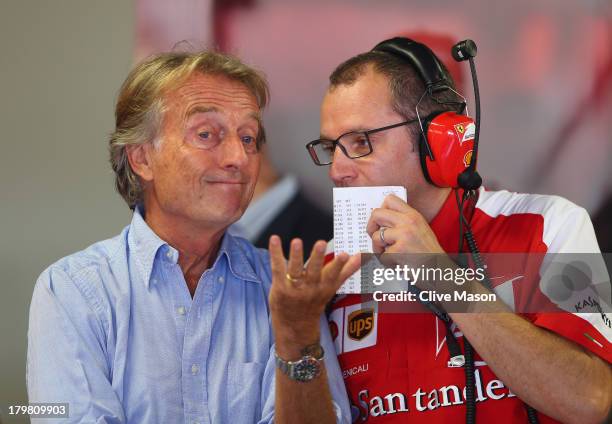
201, 109
351, 130
208, 109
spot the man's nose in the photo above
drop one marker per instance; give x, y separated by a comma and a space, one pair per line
342, 170
233, 153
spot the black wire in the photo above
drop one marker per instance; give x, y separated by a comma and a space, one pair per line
468, 367
460, 207
470, 383
532, 414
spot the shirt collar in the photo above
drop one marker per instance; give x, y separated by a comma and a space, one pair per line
146, 246
236, 250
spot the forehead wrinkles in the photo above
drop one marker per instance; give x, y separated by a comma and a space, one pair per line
214, 91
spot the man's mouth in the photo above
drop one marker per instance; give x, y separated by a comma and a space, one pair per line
231, 182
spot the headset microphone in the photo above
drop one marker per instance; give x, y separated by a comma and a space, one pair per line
466, 50
463, 50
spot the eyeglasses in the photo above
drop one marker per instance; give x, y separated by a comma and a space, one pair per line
354, 144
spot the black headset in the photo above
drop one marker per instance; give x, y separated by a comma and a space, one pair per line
448, 146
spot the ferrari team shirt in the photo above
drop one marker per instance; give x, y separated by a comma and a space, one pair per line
396, 366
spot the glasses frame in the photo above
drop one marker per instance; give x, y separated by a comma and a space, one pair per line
310, 146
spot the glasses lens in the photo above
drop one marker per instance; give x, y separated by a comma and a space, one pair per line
356, 144
324, 151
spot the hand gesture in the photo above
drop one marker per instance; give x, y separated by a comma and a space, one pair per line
299, 293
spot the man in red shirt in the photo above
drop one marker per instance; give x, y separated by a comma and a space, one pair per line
396, 366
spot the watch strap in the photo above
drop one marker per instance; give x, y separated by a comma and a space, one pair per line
304, 369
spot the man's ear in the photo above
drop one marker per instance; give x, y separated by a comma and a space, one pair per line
139, 158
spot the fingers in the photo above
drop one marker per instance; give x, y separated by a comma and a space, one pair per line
277, 258
295, 266
383, 218
378, 246
397, 218
391, 213
338, 271
349, 268
317, 257
390, 237
323, 279
394, 203
331, 271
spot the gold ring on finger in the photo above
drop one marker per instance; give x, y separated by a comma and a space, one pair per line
293, 279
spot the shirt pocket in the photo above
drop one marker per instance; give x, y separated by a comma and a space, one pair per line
244, 385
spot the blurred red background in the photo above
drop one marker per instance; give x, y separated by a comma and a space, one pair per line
544, 67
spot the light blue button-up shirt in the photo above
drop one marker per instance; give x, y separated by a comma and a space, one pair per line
115, 333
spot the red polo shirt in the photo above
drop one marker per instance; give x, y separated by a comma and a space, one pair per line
395, 366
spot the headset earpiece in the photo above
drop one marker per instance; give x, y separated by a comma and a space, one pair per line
450, 139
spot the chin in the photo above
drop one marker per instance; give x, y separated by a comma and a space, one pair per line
231, 215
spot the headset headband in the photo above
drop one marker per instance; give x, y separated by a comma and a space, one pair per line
421, 58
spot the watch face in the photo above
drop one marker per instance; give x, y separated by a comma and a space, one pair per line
306, 369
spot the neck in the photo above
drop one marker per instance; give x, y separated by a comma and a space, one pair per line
198, 247
429, 204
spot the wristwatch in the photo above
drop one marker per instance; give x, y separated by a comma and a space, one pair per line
306, 368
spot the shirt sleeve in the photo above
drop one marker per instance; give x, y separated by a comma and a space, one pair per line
334, 379
584, 303
66, 359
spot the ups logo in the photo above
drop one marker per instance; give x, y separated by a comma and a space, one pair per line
360, 323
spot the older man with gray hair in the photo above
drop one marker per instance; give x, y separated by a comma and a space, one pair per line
174, 320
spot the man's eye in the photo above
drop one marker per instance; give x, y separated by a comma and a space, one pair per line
205, 135
248, 139
328, 147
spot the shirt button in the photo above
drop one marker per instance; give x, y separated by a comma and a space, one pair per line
169, 254
221, 279
195, 369
181, 310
